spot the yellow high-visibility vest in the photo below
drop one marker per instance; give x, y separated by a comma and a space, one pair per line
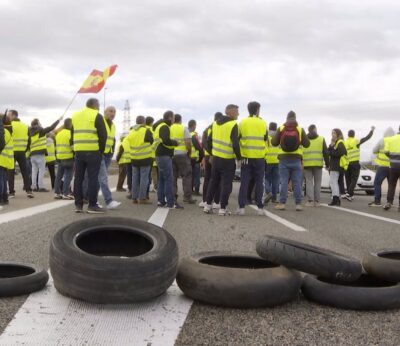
206, 153
85, 132
110, 136
63, 145
38, 143
299, 150
20, 135
178, 134
195, 153
221, 140
51, 151
271, 153
353, 152
153, 147
344, 161
252, 132
158, 140
7, 154
139, 149
381, 159
126, 155
313, 155
393, 148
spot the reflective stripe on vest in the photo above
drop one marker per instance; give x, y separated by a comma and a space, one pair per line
271, 153
252, 132
313, 155
50, 150
7, 154
393, 148
139, 149
195, 153
158, 140
353, 152
63, 145
344, 162
221, 140
381, 158
178, 134
85, 132
19, 135
110, 136
126, 155
299, 150
38, 143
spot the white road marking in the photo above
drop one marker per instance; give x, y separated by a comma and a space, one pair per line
48, 318
282, 221
376, 217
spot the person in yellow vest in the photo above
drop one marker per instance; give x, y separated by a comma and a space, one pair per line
207, 166
123, 160
109, 115
196, 157
271, 167
164, 152
65, 159
20, 133
253, 135
140, 141
383, 170
337, 164
392, 150
223, 143
51, 157
353, 154
38, 152
292, 139
314, 158
6, 157
89, 136
153, 177
181, 160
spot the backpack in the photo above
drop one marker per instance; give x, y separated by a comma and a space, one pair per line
290, 138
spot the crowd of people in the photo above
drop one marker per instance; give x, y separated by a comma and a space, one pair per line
272, 160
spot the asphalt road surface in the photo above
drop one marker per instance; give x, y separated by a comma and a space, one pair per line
297, 323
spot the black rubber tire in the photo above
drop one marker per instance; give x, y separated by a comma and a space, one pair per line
384, 264
238, 280
86, 262
367, 293
309, 259
19, 278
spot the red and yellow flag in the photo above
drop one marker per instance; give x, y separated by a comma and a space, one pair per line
96, 80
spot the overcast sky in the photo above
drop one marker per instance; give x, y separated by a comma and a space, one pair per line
335, 63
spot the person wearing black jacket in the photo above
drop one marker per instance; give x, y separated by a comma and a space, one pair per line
337, 150
3, 170
195, 159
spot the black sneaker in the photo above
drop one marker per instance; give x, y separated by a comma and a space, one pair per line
176, 206
11, 195
375, 204
129, 196
43, 190
95, 210
78, 209
161, 204
387, 206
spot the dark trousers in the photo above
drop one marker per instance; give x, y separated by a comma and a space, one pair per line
222, 173
90, 162
342, 189
352, 174
195, 176
207, 177
3, 184
52, 172
382, 173
182, 168
251, 169
394, 176
122, 175
19, 157
129, 177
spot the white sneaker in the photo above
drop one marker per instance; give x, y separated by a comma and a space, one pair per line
260, 211
224, 212
1, 207
309, 204
113, 205
216, 206
240, 211
208, 209
202, 204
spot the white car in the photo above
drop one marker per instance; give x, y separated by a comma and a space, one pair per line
365, 181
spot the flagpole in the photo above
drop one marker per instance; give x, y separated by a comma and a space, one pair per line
69, 105
104, 100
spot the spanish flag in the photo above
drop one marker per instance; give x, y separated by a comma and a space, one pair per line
96, 80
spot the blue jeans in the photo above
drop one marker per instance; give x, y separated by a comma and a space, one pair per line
140, 181
196, 176
272, 180
382, 173
103, 178
251, 169
165, 188
290, 169
64, 171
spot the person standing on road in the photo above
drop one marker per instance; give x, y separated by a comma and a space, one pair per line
383, 163
109, 115
392, 150
124, 161
20, 133
253, 135
313, 161
65, 158
291, 138
337, 164
140, 140
223, 142
6, 157
196, 157
181, 160
51, 158
271, 167
89, 136
38, 151
164, 152
353, 154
